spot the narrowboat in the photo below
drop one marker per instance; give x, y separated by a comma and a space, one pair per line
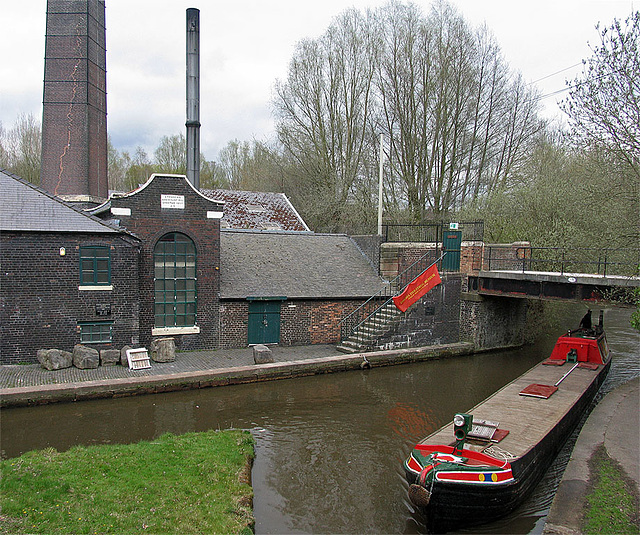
484, 463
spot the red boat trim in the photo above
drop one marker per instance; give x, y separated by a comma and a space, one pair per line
477, 478
475, 458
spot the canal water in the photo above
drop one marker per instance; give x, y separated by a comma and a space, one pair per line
329, 448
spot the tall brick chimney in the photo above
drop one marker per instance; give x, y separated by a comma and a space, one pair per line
74, 116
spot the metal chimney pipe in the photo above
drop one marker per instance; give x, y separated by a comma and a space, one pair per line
193, 97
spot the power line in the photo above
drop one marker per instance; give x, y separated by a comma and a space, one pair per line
557, 72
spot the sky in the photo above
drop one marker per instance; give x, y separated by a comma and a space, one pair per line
246, 46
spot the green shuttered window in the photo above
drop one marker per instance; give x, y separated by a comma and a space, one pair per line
95, 265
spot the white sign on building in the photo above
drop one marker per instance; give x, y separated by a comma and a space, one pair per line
172, 201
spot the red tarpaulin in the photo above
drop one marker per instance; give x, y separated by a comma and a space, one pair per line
417, 288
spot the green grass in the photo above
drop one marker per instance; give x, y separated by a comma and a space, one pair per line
193, 483
612, 504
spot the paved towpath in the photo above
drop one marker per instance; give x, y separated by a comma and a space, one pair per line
614, 423
33, 385
30, 375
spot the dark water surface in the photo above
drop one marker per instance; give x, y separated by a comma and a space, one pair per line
329, 448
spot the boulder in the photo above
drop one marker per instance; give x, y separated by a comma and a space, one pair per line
85, 357
123, 356
109, 357
262, 354
55, 359
163, 350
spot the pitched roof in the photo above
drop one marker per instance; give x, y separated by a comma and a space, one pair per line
26, 207
257, 210
294, 265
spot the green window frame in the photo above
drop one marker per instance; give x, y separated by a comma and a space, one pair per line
175, 282
95, 332
95, 265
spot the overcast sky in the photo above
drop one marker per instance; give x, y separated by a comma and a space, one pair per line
246, 46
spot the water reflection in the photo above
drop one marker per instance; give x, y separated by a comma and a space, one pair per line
329, 448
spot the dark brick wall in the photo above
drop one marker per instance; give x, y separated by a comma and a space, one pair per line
302, 322
435, 319
149, 221
493, 322
41, 303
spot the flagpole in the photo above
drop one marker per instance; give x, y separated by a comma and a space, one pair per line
380, 186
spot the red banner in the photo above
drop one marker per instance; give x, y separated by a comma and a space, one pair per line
417, 288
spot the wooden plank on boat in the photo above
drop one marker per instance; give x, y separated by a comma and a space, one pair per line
528, 419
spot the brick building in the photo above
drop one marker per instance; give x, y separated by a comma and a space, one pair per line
291, 288
179, 261
66, 277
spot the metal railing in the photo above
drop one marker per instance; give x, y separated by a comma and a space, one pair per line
585, 260
372, 306
431, 232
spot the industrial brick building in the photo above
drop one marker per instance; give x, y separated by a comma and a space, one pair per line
211, 269
155, 263
66, 277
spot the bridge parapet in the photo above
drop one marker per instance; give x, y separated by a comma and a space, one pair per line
547, 285
564, 260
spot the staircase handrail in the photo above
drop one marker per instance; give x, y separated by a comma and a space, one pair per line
383, 291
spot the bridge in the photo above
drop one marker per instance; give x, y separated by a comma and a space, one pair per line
488, 286
577, 274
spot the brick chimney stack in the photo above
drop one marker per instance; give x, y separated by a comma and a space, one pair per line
74, 116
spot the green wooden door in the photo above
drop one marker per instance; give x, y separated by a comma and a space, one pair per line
264, 322
451, 243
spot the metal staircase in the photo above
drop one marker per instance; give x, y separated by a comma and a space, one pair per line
374, 327
363, 329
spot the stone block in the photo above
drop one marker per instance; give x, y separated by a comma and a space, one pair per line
262, 354
163, 350
55, 359
85, 358
124, 361
109, 357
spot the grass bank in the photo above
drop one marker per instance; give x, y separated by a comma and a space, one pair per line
612, 502
193, 483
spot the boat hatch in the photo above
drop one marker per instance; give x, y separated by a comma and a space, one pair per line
539, 391
483, 429
546, 391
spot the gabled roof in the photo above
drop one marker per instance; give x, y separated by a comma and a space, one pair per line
257, 210
294, 265
26, 207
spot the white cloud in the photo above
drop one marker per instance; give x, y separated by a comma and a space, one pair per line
246, 45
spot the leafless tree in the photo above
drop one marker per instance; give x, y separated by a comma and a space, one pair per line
324, 108
604, 104
20, 148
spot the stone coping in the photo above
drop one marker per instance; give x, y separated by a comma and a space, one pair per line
151, 384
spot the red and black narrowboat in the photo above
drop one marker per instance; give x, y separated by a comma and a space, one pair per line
484, 463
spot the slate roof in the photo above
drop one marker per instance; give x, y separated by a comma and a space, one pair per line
257, 210
294, 265
26, 207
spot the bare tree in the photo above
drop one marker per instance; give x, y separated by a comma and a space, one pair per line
20, 148
323, 110
458, 120
604, 104
171, 155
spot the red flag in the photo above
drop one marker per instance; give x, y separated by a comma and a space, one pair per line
417, 288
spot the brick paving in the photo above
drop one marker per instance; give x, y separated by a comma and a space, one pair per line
12, 376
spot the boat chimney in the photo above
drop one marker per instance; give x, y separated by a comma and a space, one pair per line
193, 97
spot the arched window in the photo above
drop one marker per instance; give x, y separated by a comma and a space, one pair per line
174, 258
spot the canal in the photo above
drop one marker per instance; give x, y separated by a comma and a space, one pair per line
329, 448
